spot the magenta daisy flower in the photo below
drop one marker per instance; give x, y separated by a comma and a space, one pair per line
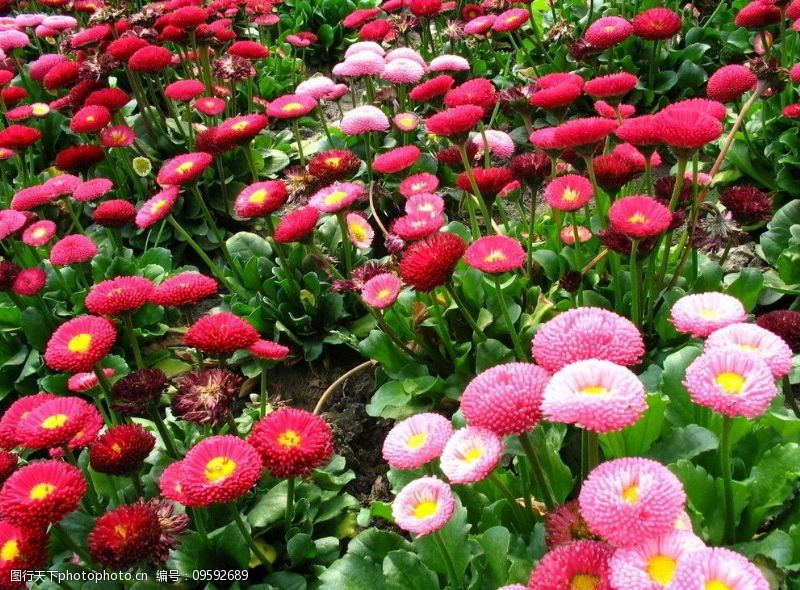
39, 233
336, 197
568, 192
495, 254
418, 183
381, 291
52, 423
73, 249
471, 454
260, 199
157, 207
183, 169
424, 204
416, 226
608, 31
718, 568
628, 500
119, 295
364, 119
396, 160
582, 565
424, 506
291, 106
639, 216
700, 314
268, 350
79, 343
83, 382
651, 564
505, 399
596, 395
92, 189
753, 338
416, 441
41, 493
359, 231
731, 381
587, 333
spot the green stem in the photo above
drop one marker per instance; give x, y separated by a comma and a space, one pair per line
487, 217
296, 130
788, 396
104, 401
346, 245
452, 573
237, 518
289, 514
538, 473
127, 323
215, 230
636, 286
462, 307
442, 329
262, 391
66, 540
501, 300
166, 435
727, 481
524, 522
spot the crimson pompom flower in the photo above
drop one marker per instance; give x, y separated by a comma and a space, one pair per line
359, 16
611, 85
22, 549
555, 97
150, 58
585, 132
791, 111
332, 165
511, 20
247, 49
296, 225
612, 171
456, 121
125, 536
292, 442
137, 392
582, 565
429, 263
505, 399
114, 213
656, 23
783, 323
41, 493
569, 192
728, 83
608, 31
90, 119
118, 295
219, 469
478, 92
79, 343
758, 14
495, 254
184, 90
186, 288
268, 350
183, 169
157, 207
424, 7
639, 216
121, 449
19, 137
61, 75
78, 158
124, 47
747, 204
29, 282
376, 30
586, 333
490, 181
220, 334
52, 423
430, 89
686, 129
397, 159
11, 417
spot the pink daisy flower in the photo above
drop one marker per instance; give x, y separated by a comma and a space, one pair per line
511, 20
369, 46
500, 144
587, 333
183, 169
316, 87
92, 189
418, 183
72, 249
381, 291
260, 199
732, 382
471, 454
753, 338
480, 24
402, 71
359, 231
545, 139
569, 192
608, 31
362, 63
117, 136
424, 204
651, 565
291, 106
596, 395
406, 121
416, 441
505, 399
364, 119
417, 226
405, 53
639, 216
397, 159
424, 506
582, 565
700, 314
83, 382
448, 63
337, 196
718, 568
495, 254
567, 234
210, 105
628, 500
157, 207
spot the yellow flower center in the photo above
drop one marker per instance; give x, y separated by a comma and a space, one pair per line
473, 455
90, 119
291, 107
631, 494
10, 550
709, 314
426, 509
570, 195
594, 390
121, 531
609, 28
383, 294
358, 232
584, 582
184, 168
240, 126
80, 343
494, 256
40, 109
717, 585
159, 205
748, 347
415, 441
335, 197
333, 161
407, 121
511, 19
258, 196
41, 490
637, 218
116, 448
219, 468
289, 438
39, 232
55, 421
731, 383
661, 568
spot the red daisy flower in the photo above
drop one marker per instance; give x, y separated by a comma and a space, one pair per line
123, 48
396, 160
121, 449
157, 207
608, 31
429, 263
119, 295
495, 254
251, 50
186, 288
555, 97
454, 122
219, 469
430, 89
15, 412
728, 83
79, 343
19, 137
61, 75
22, 549
376, 30
424, 7
41, 493
183, 169
359, 16
296, 225
758, 14
29, 282
125, 536
612, 85
687, 129
8, 465
184, 90
585, 132
78, 158
479, 92
52, 423
291, 106
656, 23
260, 199
333, 165
150, 58
114, 213
490, 181
90, 119
269, 350
111, 98
292, 442
639, 216
220, 334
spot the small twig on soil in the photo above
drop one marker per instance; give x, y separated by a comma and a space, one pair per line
328, 393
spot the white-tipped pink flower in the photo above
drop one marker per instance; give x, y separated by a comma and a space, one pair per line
700, 314
381, 291
416, 440
471, 454
424, 506
359, 231
752, 338
364, 119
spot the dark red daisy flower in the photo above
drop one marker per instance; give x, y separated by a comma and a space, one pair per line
429, 263
124, 47
125, 536
206, 397
747, 204
114, 213
138, 392
430, 89
332, 165
121, 449
784, 323
490, 181
613, 172
79, 158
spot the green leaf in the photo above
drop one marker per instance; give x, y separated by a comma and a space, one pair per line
454, 537
771, 482
270, 507
232, 544
245, 245
380, 347
353, 573
747, 286
778, 546
495, 542
684, 443
492, 352
405, 571
637, 439
300, 548
35, 328
158, 256
376, 544
286, 581
776, 239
